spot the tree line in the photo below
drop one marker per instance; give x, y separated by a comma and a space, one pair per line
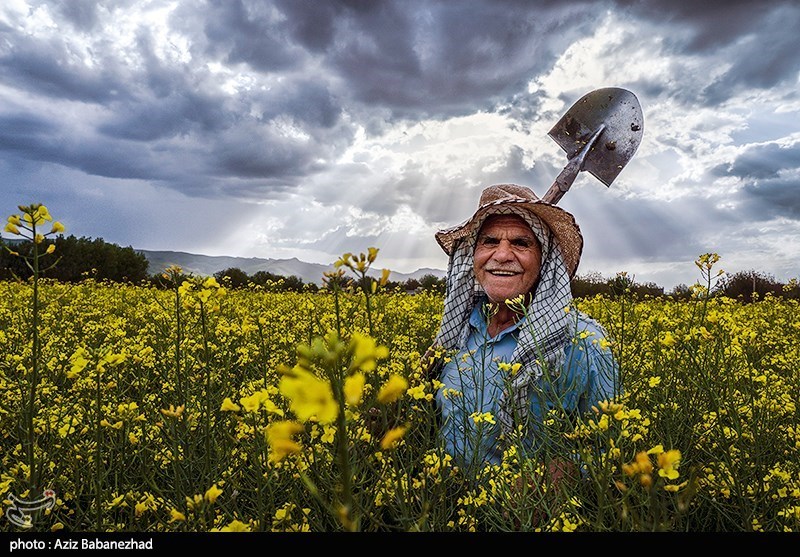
84, 258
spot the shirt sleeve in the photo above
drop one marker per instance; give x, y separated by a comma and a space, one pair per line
591, 372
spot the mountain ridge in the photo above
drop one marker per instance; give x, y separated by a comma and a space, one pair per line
207, 265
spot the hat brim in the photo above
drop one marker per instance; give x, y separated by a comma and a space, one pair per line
565, 229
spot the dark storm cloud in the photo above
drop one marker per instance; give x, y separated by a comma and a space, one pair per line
762, 161
247, 32
49, 68
320, 69
770, 175
439, 59
755, 42
773, 197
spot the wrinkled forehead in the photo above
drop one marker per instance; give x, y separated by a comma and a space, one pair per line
510, 223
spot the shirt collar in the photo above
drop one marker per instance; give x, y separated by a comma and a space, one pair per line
477, 321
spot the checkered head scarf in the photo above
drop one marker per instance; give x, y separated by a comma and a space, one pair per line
546, 330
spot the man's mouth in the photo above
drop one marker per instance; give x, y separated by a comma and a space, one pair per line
501, 273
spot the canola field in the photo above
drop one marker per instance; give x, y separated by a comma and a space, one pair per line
127, 408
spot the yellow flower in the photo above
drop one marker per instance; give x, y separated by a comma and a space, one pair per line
354, 388
675, 487
279, 437
310, 396
212, 493
44, 214
173, 412
250, 403
366, 352
50, 249
229, 406
57, 227
236, 526
668, 339
393, 437
668, 462
10, 227
653, 381
176, 516
385, 276
479, 417
270, 406
56, 527
509, 367
393, 389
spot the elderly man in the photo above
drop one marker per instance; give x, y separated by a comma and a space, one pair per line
513, 347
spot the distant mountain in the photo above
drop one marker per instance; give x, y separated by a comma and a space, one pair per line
207, 265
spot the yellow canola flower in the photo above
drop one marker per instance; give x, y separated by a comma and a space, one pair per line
279, 437
212, 494
229, 406
366, 352
38, 239
668, 339
173, 412
44, 214
668, 463
354, 388
393, 389
310, 397
176, 516
269, 406
10, 227
250, 403
14, 219
50, 249
79, 363
236, 526
393, 437
57, 228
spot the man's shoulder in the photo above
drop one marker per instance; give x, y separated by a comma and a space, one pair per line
585, 323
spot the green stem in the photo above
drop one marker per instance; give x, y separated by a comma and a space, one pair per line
178, 340
35, 369
98, 456
342, 442
207, 418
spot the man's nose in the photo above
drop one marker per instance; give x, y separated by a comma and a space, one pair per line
503, 251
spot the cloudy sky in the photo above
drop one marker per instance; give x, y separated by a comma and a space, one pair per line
311, 128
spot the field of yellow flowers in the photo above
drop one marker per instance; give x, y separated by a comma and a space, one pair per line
198, 408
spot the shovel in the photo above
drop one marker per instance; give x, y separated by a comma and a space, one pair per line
600, 133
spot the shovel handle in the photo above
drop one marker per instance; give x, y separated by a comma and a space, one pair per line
565, 178
563, 181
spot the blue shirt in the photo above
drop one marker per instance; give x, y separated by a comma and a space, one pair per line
473, 384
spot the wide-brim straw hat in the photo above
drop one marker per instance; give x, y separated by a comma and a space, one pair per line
561, 223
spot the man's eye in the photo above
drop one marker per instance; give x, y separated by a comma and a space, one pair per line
521, 243
488, 241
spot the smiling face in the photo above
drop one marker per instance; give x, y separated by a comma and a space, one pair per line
507, 257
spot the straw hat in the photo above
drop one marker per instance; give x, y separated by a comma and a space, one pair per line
561, 223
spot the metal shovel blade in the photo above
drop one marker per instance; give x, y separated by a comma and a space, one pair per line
618, 113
